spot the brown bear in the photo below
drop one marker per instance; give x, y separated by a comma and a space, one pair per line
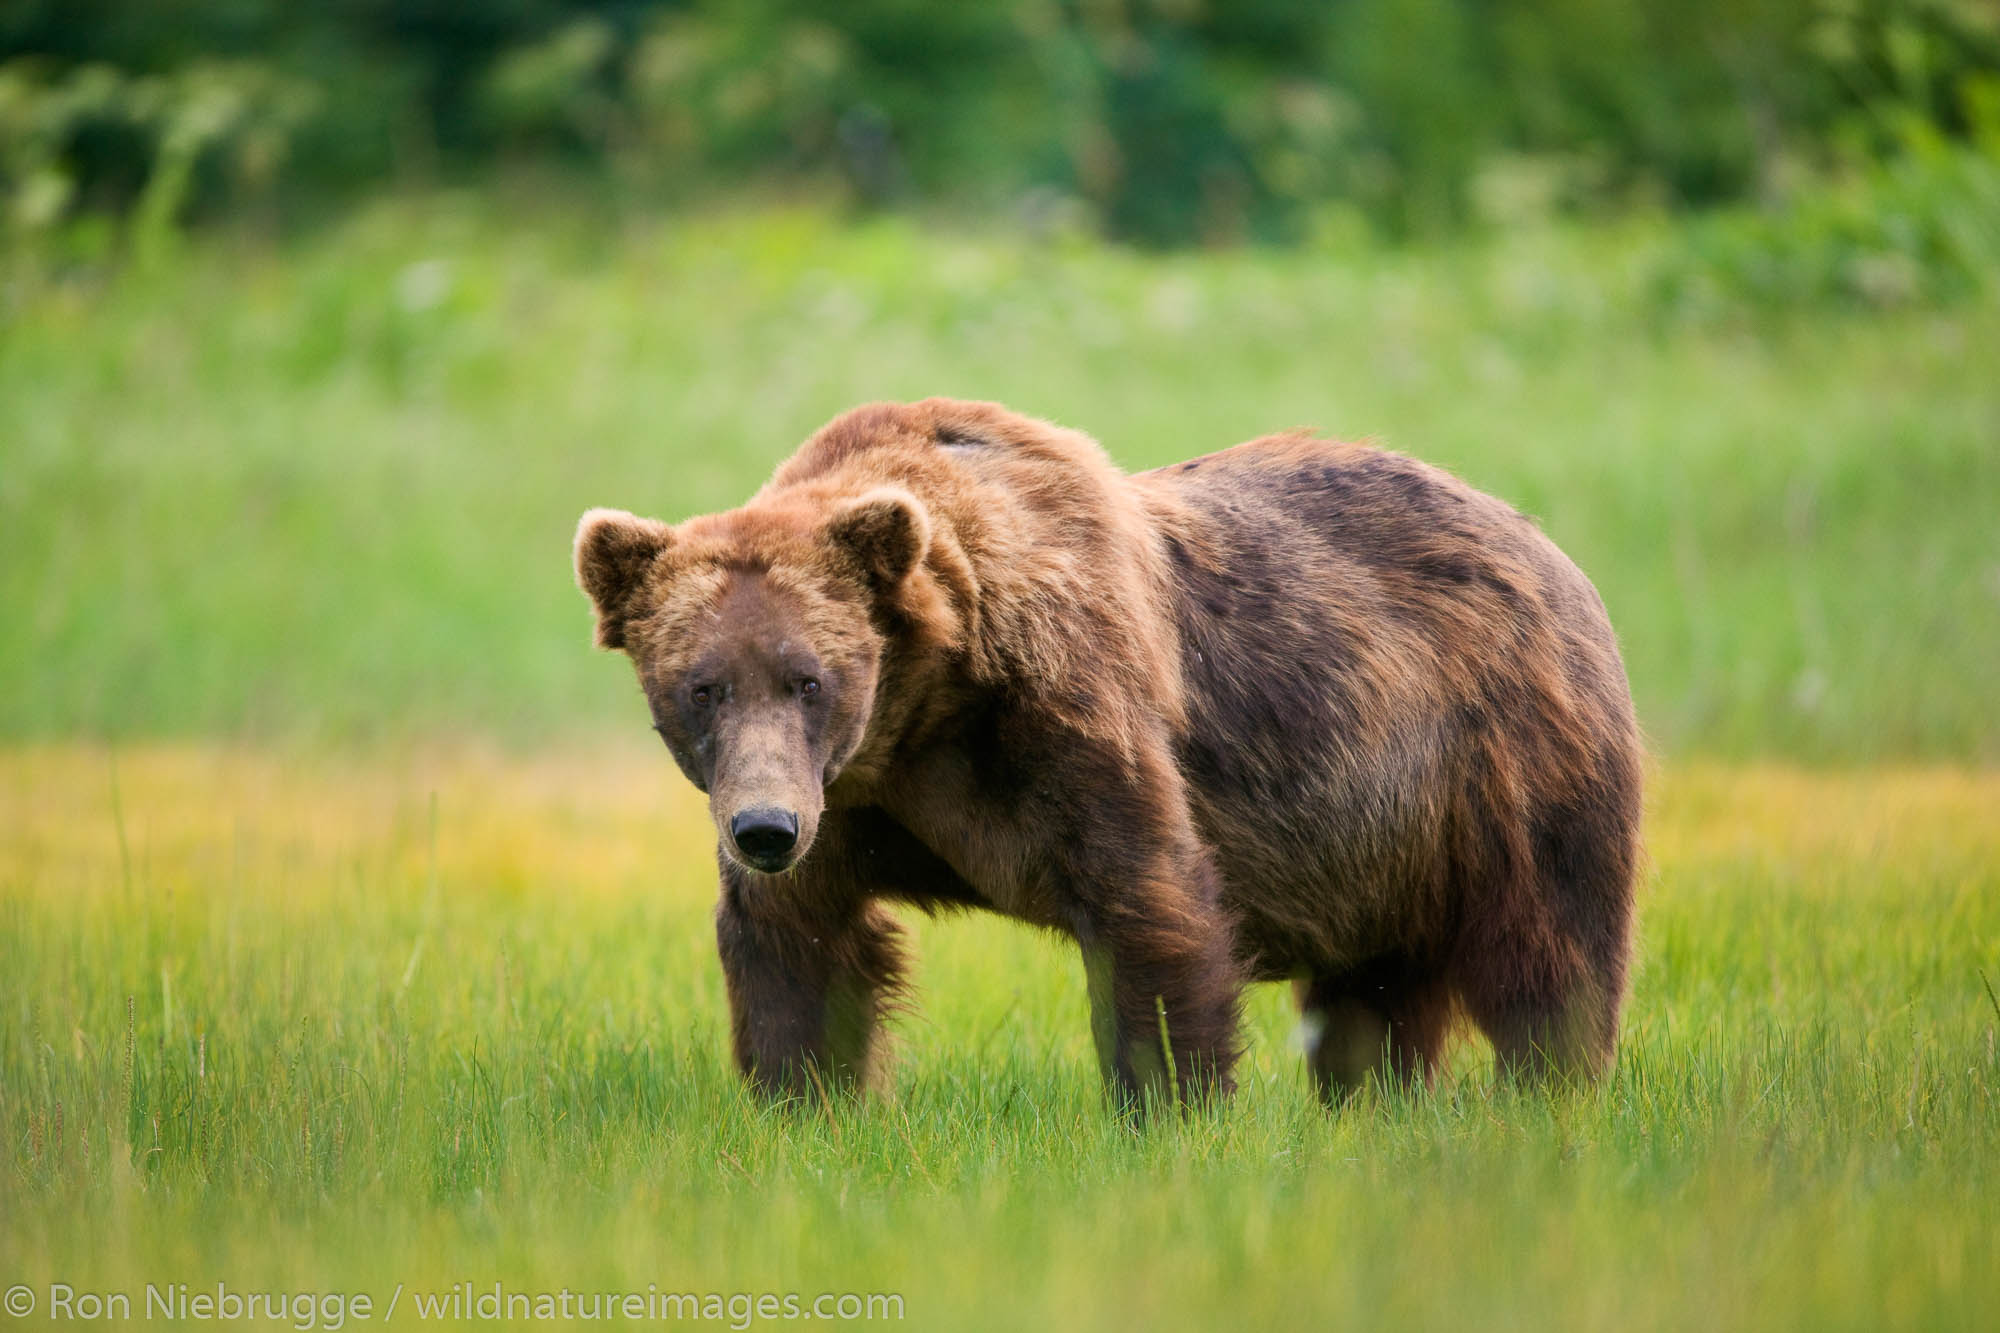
1296, 710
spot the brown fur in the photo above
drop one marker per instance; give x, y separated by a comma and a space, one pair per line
1299, 709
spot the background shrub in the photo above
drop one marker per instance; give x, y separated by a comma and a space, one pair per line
1164, 121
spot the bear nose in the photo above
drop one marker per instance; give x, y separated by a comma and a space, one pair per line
765, 834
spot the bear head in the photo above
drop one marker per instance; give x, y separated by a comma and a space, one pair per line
759, 637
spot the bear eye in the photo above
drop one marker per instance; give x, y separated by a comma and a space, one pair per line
702, 695
809, 686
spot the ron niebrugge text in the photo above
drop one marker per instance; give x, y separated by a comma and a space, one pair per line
333, 1310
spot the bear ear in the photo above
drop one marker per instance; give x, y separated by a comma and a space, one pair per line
614, 552
886, 530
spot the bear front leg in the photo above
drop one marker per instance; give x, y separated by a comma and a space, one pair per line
1164, 988
807, 994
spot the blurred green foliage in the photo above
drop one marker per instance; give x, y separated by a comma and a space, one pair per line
1161, 121
1921, 227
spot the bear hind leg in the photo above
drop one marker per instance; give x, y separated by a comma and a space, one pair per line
1548, 995
1543, 970
1385, 1020
1563, 1036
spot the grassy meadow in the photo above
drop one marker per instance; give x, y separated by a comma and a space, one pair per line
354, 932
336, 1025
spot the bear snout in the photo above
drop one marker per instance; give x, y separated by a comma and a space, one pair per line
766, 836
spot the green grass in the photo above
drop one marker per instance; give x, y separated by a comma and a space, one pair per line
323, 491
338, 1024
